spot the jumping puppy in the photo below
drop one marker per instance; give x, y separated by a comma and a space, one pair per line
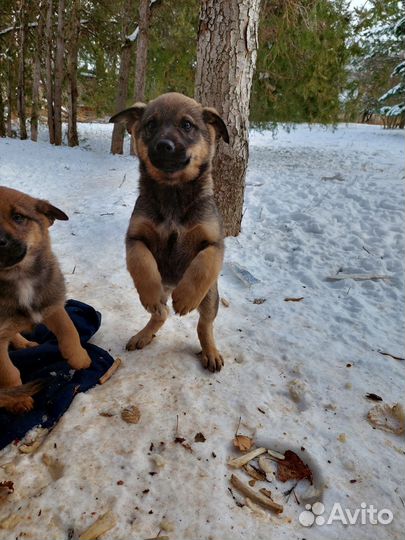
175, 241
32, 288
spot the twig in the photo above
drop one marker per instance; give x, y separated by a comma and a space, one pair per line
107, 214
391, 355
237, 429
357, 277
123, 180
103, 524
237, 463
256, 496
110, 372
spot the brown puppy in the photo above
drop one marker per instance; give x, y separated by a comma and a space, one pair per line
32, 288
175, 239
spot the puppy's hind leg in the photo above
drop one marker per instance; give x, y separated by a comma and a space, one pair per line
19, 342
211, 359
145, 336
9, 374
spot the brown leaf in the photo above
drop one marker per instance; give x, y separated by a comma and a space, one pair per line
131, 414
179, 440
6, 488
290, 299
199, 437
293, 468
259, 301
242, 442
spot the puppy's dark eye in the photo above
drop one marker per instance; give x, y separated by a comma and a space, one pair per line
186, 125
18, 218
150, 127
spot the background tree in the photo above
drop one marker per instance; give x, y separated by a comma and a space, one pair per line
302, 58
117, 140
394, 113
375, 51
227, 37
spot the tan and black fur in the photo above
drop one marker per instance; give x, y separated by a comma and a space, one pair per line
174, 242
32, 288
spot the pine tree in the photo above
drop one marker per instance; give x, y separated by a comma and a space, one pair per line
394, 114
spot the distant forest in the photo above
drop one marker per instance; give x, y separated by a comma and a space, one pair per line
318, 60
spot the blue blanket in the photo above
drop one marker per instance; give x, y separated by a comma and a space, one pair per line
61, 382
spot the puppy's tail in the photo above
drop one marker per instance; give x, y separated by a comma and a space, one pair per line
9, 397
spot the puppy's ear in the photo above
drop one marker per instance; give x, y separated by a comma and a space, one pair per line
129, 116
211, 116
50, 211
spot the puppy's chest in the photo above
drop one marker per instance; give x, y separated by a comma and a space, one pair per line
26, 295
173, 251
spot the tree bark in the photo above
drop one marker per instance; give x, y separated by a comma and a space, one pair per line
59, 55
10, 101
117, 139
49, 71
36, 75
73, 46
21, 71
226, 59
141, 55
2, 123
142, 50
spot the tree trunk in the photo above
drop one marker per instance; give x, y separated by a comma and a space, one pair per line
10, 92
141, 55
73, 46
142, 50
49, 71
2, 123
226, 58
59, 54
36, 75
21, 72
117, 140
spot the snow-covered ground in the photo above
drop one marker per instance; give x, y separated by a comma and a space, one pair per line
318, 203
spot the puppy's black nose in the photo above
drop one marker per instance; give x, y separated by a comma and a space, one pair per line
165, 146
4, 240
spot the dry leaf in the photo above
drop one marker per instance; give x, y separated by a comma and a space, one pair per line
224, 302
6, 488
242, 442
199, 437
293, 468
131, 414
388, 418
259, 301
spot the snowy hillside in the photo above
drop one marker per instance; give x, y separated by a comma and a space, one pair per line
319, 204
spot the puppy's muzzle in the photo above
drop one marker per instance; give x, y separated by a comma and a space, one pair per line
12, 251
168, 156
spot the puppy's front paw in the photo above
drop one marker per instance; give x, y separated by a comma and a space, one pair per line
212, 360
79, 359
153, 301
140, 340
185, 298
23, 405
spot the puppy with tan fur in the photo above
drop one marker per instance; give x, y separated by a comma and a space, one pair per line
174, 242
32, 288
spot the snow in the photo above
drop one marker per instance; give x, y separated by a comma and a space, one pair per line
318, 203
